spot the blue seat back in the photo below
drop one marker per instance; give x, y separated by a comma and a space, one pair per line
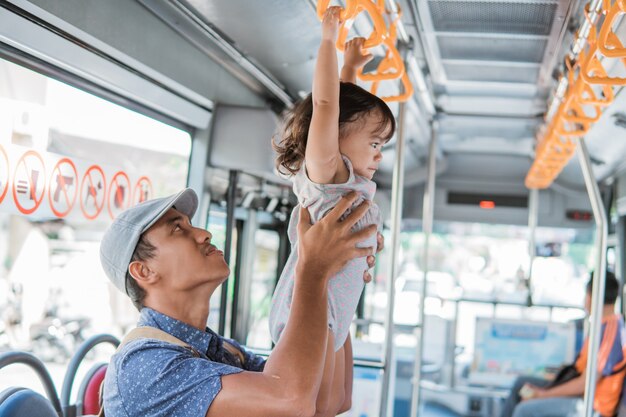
23, 402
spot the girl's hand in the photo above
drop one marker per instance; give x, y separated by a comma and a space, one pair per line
330, 24
353, 57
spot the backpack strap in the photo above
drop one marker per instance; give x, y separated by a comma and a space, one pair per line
149, 332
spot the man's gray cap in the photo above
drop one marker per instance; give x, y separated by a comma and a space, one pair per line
120, 240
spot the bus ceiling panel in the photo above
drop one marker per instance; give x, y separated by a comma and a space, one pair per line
69, 56
500, 106
552, 206
495, 145
205, 35
506, 31
243, 146
283, 38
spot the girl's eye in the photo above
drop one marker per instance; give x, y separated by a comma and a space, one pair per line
177, 228
375, 145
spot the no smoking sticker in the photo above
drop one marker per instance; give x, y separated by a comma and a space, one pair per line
93, 192
63, 187
29, 182
119, 194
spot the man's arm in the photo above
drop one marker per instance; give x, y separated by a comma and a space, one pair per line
290, 382
572, 388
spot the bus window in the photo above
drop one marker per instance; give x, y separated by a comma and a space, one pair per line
217, 226
261, 289
69, 163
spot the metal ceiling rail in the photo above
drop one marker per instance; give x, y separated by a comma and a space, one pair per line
418, 76
174, 12
576, 97
579, 44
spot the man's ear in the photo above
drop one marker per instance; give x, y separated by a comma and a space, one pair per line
141, 272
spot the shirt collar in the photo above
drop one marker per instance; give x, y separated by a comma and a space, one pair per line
199, 340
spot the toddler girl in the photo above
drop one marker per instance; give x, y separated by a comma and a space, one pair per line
331, 145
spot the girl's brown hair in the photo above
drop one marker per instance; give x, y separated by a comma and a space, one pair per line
354, 104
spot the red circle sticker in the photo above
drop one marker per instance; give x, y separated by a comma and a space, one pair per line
4, 173
119, 194
92, 192
63, 187
143, 190
29, 182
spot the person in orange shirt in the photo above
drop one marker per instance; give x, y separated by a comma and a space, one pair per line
541, 398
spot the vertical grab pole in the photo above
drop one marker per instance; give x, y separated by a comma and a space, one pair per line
397, 191
533, 216
231, 200
427, 228
597, 291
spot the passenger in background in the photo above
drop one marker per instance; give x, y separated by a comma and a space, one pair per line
179, 367
332, 145
536, 397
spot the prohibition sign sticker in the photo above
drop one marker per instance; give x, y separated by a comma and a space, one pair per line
143, 190
92, 192
119, 194
63, 187
29, 182
4, 173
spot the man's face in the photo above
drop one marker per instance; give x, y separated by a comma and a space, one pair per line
185, 258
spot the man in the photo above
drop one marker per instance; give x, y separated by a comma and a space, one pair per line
539, 399
170, 269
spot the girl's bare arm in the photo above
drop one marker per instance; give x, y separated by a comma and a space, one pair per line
323, 160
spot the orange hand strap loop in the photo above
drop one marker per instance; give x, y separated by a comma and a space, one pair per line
591, 68
608, 43
356, 7
391, 66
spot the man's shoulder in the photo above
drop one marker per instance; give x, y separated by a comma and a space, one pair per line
148, 374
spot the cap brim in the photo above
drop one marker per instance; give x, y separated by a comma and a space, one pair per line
185, 201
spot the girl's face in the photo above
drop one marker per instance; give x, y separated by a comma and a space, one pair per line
362, 144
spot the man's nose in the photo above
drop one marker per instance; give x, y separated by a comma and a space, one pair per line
202, 235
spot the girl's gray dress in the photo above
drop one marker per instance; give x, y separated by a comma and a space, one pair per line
344, 289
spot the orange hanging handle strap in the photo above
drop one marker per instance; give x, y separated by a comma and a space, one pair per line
608, 43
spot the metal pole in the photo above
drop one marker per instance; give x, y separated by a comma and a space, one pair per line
231, 198
240, 323
597, 291
397, 191
427, 227
533, 209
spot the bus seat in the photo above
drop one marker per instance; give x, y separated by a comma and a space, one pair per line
88, 401
23, 402
89, 391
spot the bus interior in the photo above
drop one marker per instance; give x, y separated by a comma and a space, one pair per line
502, 189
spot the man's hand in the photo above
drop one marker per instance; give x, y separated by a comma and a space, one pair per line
329, 244
330, 24
371, 260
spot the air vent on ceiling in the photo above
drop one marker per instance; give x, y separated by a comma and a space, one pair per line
519, 17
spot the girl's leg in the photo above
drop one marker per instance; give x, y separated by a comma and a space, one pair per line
338, 394
348, 375
323, 404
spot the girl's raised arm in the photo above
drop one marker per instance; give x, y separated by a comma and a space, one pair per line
323, 160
